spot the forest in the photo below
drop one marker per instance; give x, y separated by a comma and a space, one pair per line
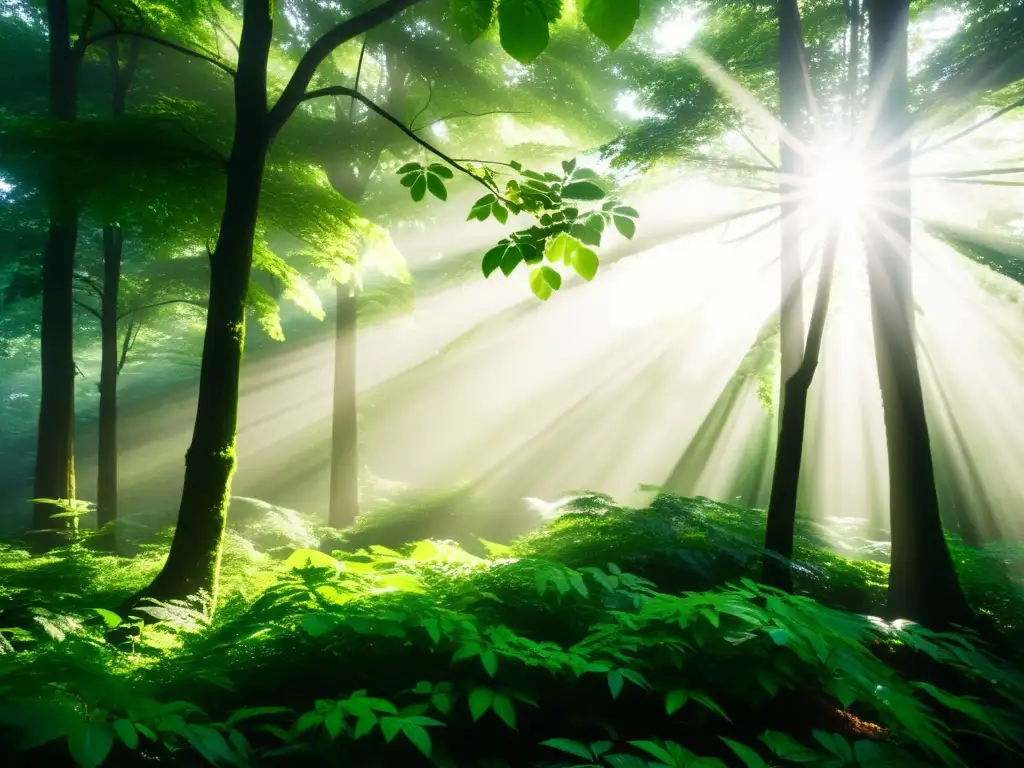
512, 383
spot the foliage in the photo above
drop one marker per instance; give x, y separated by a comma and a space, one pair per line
545, 652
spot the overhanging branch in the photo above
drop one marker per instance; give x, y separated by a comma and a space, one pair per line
224, 67
972, 128
134, 310
340, 90
295, 92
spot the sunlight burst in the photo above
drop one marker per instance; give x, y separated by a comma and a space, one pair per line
838, 184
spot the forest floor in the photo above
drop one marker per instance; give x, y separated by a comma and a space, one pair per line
628, 638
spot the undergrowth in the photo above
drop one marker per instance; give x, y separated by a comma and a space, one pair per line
612, 637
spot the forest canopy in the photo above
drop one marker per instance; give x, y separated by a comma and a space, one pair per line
506, 383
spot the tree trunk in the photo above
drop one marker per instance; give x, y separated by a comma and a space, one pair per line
350, 177
792, 103
106, 482
344, 502
194, 560
781, 523
110, 367
923, 585
55, 449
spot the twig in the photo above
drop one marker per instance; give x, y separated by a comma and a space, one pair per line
82, 278
134, 310
418, 115
464, 113
968, 174
340, 90
972, 128
210, 58
359, 74
757, 149
87, 308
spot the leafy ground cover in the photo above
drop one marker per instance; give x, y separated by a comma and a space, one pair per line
617, 637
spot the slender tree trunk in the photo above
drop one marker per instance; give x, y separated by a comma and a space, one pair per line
194, 559
923, 585
106, 482
55, 450
350, 177
792, 103
113, 253
344, 502
781, 523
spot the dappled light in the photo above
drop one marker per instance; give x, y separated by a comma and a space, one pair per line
508, 383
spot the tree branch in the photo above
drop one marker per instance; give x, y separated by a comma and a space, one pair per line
757, 149
88, 281
968, 174
464, 113
972, 128
430, 98
359, 74
295, 92
131, 312
87, 308
224, 67
340, 90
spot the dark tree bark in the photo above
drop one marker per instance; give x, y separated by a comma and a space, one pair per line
923, 585
792, 106
193, 562
110, 362
106, 482
781, 523
55, 449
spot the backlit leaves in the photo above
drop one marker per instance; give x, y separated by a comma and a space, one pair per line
612, 21
523, 27
472, 17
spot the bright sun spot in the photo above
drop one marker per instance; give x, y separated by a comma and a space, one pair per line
838, 182
673, 35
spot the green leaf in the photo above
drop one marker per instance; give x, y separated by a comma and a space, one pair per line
490, 661
586, 234
675, 700
585, 262
539, 285
575, 581
480, 700
625, 210
568, 166
419, 188
409, 168
615, 683
626, 226
500, 212
779, 636
408, 181
472, 17
510, 260
611, 21
655, 751
318, 624
788, 748
419, 736
90, 743
749, 757
505, 709
523, 29
835, 744
249, 712
554, 279
561, 247
492, 259
441, 170
436, 187
364, 725
626, 761
569, 746
582, 190
390, 726
110, 618
126, 733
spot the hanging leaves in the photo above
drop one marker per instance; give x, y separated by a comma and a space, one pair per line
611, 21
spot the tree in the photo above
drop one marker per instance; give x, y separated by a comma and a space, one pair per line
55, 451
193, 562
923, 585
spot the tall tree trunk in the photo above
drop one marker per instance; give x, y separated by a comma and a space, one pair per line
106, 481
350, 177
792, 105
113, 253
55, 449
923, 585
194, 559
344, 502
781, 523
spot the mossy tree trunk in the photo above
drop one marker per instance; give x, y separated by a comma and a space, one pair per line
923, 585
193, 562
